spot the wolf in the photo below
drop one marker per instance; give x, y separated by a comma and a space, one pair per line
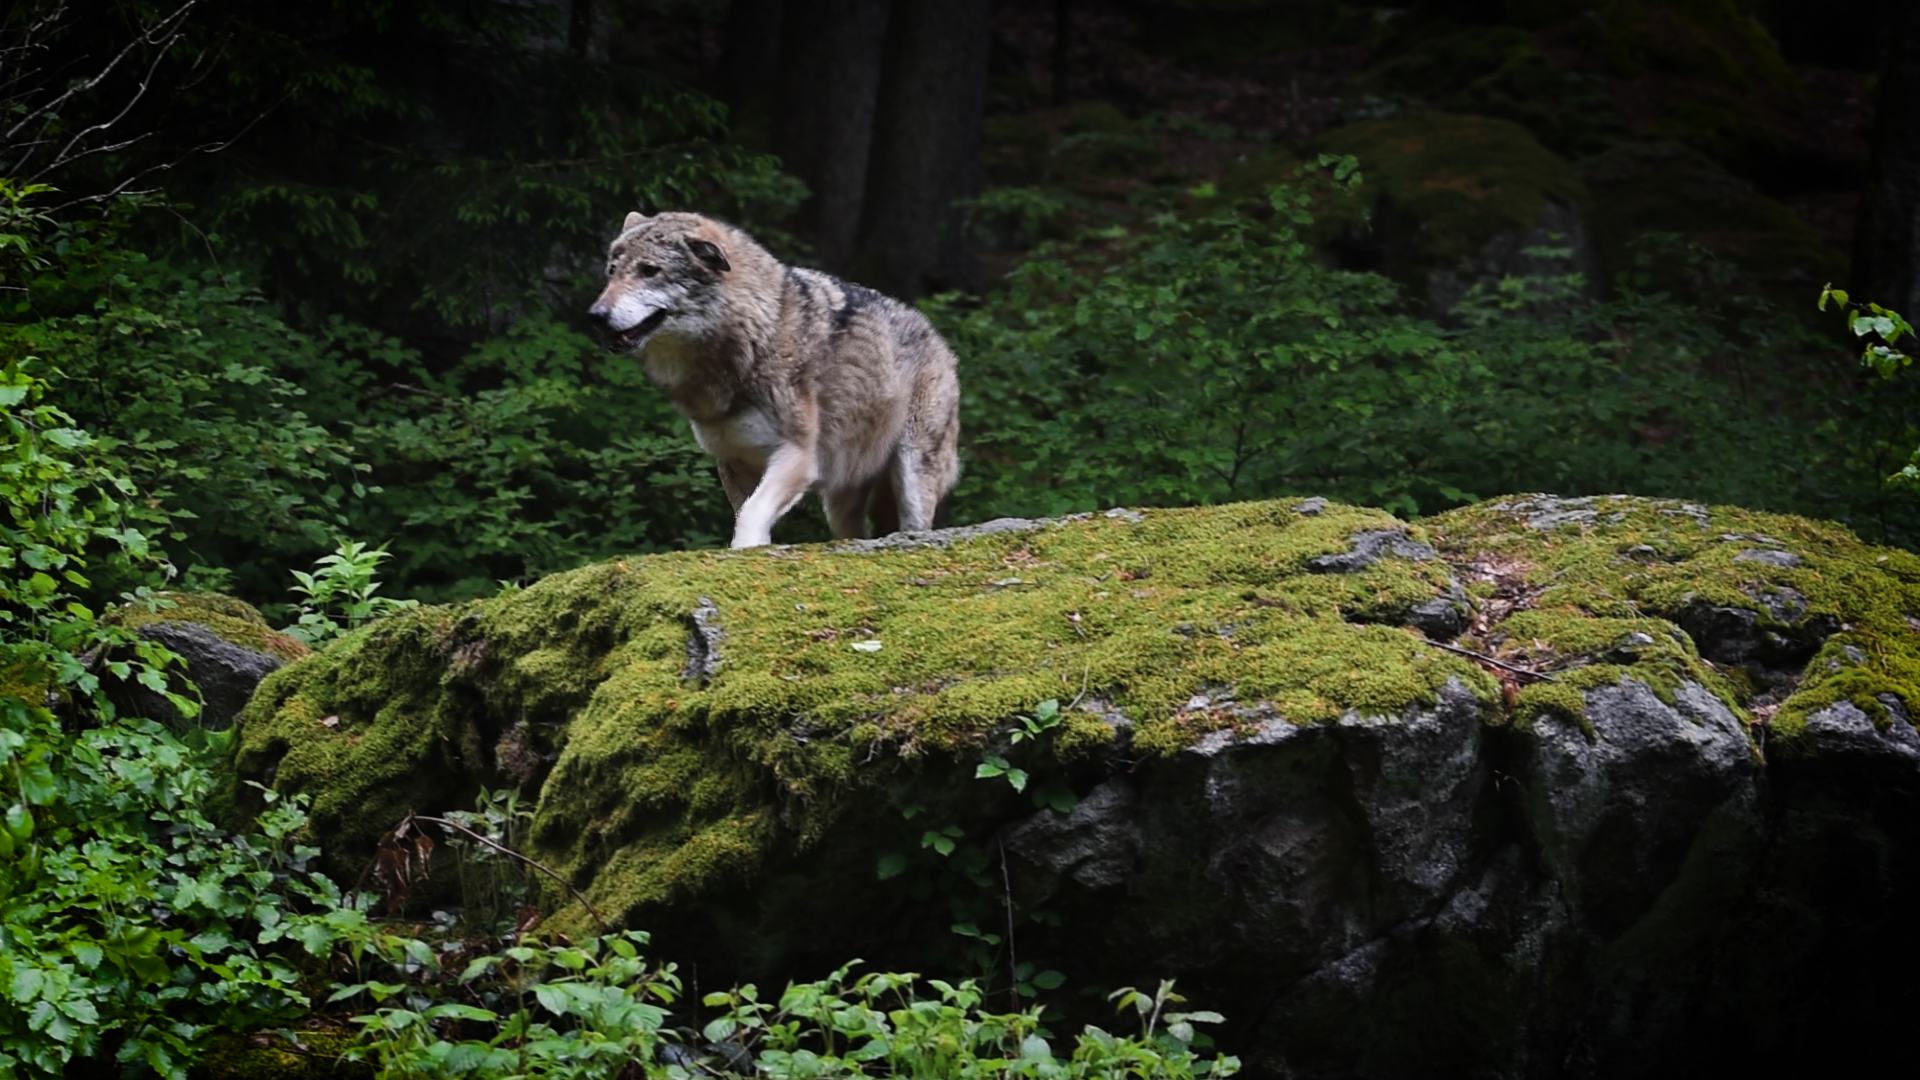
793, 380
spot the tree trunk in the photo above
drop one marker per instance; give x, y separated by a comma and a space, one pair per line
926, 149
829, 86
587, 30
1886, 254
1062, 41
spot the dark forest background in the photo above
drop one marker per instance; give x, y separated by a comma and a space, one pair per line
317, 272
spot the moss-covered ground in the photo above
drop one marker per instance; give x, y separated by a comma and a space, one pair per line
841, 666
1602, 592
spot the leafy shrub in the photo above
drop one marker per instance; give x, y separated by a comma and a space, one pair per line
342, 585
598, 1009
255, 444
187, 383
130, 924
536, 452
1881, 329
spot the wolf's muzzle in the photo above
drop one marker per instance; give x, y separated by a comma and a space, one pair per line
629, 339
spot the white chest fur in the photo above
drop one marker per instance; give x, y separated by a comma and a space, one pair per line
748, 435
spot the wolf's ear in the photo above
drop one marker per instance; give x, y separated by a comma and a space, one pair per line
708, 252
633, 218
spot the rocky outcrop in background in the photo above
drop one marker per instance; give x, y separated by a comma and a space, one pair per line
225, 648
1541, 787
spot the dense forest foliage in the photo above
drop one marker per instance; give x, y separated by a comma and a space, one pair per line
284, 280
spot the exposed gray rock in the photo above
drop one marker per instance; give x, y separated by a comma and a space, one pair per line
225, 673
1368, 548
1734, 635
947, 537
703, 642
1441, 618
1842, 730
1616, 796
1783, 559
1095, 845
1548, 512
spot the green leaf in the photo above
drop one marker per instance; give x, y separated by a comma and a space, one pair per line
552, 998
19, 822
892, 865
26, 984
459, 1011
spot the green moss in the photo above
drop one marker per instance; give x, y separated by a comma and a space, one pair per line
270, 1056
1561, 697
1704, 39
234, 620
27, 680
1184, 622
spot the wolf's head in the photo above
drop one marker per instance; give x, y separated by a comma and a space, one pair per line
664, 273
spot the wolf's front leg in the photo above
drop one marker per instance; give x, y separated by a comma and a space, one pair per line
790, 474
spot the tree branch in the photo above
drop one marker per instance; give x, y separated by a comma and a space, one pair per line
29, 135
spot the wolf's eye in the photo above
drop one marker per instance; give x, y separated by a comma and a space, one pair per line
647, 270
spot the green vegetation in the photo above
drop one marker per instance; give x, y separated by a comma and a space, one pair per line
134, 927
598, 1009
341, 584
1208, 355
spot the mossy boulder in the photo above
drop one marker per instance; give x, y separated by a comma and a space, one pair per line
1642, 188
1459, 200
224, 643
832, 657
1520, 781
1503, 72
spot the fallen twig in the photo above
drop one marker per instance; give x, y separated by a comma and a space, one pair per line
505, 850
1502, 664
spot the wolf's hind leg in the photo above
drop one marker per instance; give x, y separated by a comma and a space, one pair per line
886, 508
738, 481
847, 510
915, 511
